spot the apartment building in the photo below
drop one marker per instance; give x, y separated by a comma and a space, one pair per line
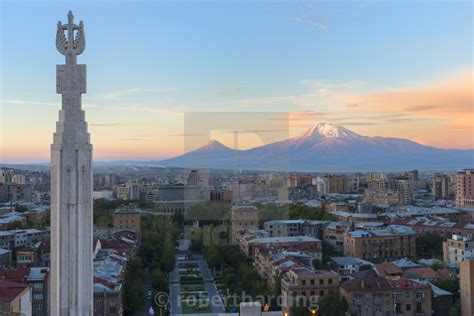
466, 275
465, 189
392, 242
308, 284
128, 217
284, 228
457, 249
379, 296
243, 217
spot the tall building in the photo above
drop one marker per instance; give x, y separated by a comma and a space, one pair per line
457, 249
403, 187
243, 217
466, 275
337, 183
71, 284
465, 189
193, 178
440, 186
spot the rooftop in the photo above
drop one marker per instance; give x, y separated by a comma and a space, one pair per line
380, 283
289, 239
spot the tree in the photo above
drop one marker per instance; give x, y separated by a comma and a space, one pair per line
178, 219
134, 291
429, 245
332, 305
159, 280
450, 285
167, 258
213, 255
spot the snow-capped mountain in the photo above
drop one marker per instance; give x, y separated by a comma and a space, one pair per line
327, 147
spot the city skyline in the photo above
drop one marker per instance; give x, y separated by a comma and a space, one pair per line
380, 69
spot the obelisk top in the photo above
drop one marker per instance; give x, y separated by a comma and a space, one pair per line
72, 45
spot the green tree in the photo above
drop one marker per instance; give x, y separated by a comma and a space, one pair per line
450, 285
159, 281
213, 257
133, 288
178, 219
429, 245
332, 305
167, 258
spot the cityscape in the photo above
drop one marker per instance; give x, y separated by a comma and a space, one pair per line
351, 199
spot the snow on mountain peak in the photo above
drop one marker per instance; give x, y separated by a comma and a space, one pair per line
327, 130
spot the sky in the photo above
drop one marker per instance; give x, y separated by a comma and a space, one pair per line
380, 68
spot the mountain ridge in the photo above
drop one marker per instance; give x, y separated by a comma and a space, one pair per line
327, 146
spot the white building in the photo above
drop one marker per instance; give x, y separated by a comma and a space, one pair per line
457, 249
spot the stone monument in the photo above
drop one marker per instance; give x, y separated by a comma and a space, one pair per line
71, 277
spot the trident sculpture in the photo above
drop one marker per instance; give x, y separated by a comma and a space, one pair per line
70, 46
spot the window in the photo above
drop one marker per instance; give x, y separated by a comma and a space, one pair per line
408, 307
38, 296
329, 281
303, 282
321, 281
37, 285
420, 296
321, 293
418, 308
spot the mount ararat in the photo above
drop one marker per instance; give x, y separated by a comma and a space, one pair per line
327, 147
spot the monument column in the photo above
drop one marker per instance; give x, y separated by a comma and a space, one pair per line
71, 276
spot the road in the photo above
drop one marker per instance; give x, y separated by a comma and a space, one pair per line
206, 275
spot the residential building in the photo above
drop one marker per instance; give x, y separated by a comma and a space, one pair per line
346, 266
243, 217
465, 189
466, 275
38, 279
457, 249
404, 190
5, 257
128, 217
270, 262
307, 244
333, 234
440, 186
377, 245
284, 228
308, 283
122, 192
26, 257
377, 295
424, 225
15, 298
337, 183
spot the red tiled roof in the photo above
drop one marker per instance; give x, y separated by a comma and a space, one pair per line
10, 290
386, 268
421, 273
446, 273
381, 283
102, 281
16, 275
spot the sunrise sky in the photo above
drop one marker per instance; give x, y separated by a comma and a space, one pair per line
379, 68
